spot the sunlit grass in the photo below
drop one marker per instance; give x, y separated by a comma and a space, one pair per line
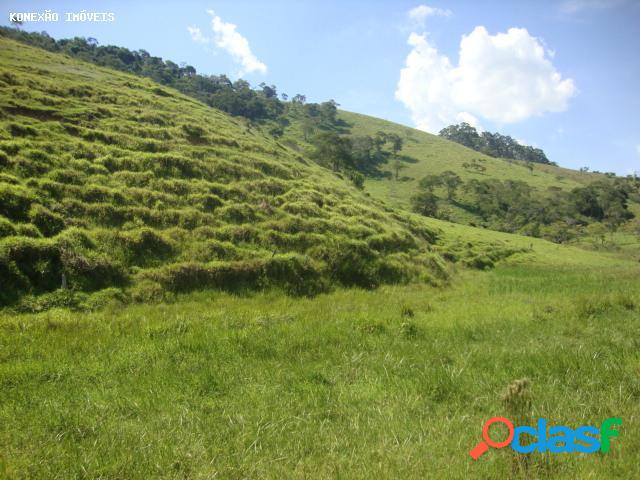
392, 383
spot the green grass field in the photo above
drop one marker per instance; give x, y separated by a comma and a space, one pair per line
394, 383
234, 310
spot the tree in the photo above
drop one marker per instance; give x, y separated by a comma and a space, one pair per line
299, 98
397, 166
429, 182
333, 150
493, 144
463, 134
396, 142
451, 182
425, 203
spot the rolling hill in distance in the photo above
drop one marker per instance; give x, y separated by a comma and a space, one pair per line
188, 293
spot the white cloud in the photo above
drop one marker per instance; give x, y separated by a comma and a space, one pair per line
226, 37
505, 78
420, 13
575, 6
196, 35
638, 149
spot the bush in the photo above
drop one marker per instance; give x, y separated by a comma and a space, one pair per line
208, 250
189, 276
27, 230
481, 262
48, 223
391, 242
295, 274
84, 267
206, 202
239, 213
89, 271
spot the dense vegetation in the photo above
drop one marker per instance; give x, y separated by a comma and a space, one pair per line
512, 206
236, 98
493, 144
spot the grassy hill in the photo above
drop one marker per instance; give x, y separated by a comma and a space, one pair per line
428, 154
114, 181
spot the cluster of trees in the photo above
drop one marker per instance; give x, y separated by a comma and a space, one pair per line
493, 144
513, 205
357, 155
234, 97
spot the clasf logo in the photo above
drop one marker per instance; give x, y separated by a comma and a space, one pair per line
556, 439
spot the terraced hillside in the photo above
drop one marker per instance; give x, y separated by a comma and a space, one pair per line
109, 180
115, 188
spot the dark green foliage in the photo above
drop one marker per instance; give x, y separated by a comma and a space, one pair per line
297, 275
27, 230
142, 246
351, 263
392, 242
61, 298
481, 262
425, 203
512, 206
493, 144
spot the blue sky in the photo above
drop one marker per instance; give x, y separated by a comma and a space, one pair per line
562, 75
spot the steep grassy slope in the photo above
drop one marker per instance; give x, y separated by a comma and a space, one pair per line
113, 181
429, 154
